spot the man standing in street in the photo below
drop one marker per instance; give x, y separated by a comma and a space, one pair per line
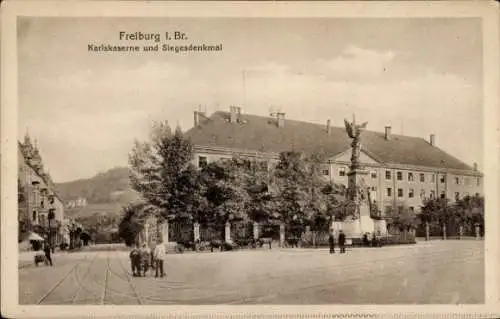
342, 242
135, 261
48, 251
331, 241
145, 258
159, 256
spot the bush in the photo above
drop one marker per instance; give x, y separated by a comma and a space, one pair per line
230, 246
188, 244
245, 242
179, 248
393, 240
204, 245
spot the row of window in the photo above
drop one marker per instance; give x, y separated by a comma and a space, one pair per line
411, 177
202, 162
411, 193
389, 209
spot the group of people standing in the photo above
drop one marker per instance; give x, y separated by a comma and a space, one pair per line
341, 242
142, 259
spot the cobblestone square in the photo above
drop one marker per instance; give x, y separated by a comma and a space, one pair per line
435, 272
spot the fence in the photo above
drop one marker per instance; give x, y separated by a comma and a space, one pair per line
212, 231
241, 230
270, 231
452, 230
180, 230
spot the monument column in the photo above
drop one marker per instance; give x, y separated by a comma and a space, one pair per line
356, 187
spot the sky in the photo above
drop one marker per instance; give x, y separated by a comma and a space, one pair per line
419, 76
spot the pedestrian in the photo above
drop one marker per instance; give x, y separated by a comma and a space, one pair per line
331, 241
135, 261
152, 256
145, 257
374, 240
366, 242
48, 251
342, 242
159, 256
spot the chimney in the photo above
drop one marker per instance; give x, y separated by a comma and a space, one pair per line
197, 117
387, 132
475, 166
235, 114
328, 126
432, 139
281, 119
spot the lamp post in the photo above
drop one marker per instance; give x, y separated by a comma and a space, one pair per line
51, 216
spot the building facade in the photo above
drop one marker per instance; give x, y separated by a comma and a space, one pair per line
401, 171
38, 198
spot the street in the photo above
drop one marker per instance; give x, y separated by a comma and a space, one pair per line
435, 272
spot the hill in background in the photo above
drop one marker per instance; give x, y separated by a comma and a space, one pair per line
105, 193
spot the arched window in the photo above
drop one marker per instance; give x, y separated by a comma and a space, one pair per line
34, 216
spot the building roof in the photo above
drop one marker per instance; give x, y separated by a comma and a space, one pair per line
45, 177
258, 133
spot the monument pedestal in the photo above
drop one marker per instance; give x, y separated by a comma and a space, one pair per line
359, 193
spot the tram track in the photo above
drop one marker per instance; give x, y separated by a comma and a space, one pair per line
102, 289
107, 292
49, 292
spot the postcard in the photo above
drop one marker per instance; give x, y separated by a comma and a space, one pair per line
200, 159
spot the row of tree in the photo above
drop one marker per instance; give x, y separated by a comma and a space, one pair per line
292, 191
100, 226
467, 212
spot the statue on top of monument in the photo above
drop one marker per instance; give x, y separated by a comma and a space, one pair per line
354, 132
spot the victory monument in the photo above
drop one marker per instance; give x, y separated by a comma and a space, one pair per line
358, 191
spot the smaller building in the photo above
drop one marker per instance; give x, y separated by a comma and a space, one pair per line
40, 208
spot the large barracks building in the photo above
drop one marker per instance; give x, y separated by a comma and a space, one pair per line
402, 171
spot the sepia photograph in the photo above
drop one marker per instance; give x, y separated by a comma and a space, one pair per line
245, 160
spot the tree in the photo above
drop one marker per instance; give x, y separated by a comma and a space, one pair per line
132, 222
316, 207
403, 219
292, 188
74, 230
304, 197
338, 207
261, 205
224, 189
438, 211
163, 174
469, 211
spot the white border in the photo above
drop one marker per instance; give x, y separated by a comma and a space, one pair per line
488, 11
